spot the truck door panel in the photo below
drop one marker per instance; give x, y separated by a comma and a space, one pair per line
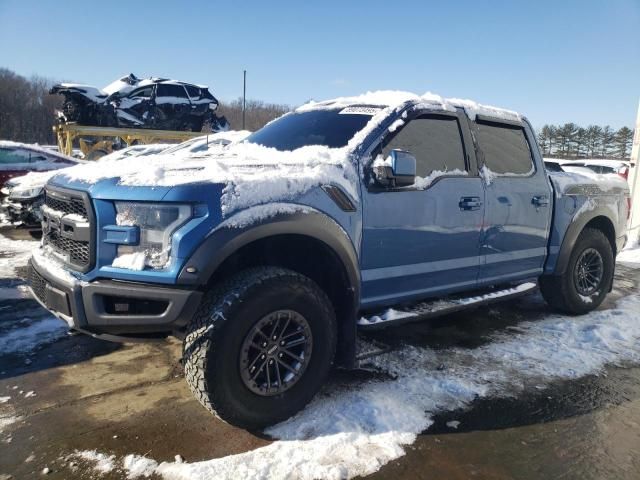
421, 242
518, 204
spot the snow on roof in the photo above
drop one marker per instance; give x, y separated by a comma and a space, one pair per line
395, 98
35, 148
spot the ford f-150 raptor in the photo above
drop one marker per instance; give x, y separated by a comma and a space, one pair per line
267, 255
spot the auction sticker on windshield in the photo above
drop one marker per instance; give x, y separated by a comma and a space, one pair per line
360, 110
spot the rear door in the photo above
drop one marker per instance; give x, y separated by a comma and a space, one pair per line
518, 207
423, 240
173, 102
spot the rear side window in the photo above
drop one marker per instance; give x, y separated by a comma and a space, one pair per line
505, 148
165, 90
435, 141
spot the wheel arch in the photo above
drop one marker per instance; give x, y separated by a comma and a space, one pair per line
310, 243
598, 220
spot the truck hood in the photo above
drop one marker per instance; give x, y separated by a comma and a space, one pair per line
245, 174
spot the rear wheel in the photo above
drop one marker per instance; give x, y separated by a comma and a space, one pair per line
260, 346
587, 278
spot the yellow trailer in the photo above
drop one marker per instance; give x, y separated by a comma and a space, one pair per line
95, 142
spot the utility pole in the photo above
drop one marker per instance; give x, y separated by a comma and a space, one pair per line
244, 97
634, 183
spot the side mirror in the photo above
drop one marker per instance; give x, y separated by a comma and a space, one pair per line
397, 170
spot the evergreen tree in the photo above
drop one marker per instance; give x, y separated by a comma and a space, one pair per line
606, 141
622, 142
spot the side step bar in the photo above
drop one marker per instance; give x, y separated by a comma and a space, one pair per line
437, 308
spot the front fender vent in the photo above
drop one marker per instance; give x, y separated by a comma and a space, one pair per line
339, 197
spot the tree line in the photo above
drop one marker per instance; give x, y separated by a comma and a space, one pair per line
594, 141
27, 111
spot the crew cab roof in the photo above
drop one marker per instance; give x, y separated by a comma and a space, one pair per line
393, 99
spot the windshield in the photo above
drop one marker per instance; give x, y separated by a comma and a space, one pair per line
331, 128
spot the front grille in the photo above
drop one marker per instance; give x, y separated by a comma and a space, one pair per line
70, 237
37, 284
73, 205
79, 252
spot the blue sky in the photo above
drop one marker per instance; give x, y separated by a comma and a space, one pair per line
555, 61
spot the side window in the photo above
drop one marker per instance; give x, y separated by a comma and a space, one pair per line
505, 148
435, 141
168, 90
9, 156
142, 93
194, 92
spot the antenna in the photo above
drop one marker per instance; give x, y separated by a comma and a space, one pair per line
244, 97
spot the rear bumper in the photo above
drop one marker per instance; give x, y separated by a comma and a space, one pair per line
108, 308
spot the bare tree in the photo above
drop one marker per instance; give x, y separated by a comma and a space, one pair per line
27, 111
258, 113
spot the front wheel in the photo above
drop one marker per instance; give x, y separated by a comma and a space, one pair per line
260, 346
587, 278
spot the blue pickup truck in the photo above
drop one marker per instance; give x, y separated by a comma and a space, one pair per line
266, 256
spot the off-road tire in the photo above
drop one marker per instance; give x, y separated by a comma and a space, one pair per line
215, 335
560, 291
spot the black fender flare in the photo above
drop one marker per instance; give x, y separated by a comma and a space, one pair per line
225, 240
573, 232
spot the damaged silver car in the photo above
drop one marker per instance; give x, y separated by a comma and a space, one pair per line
154, 103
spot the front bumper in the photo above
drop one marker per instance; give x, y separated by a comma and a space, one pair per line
24, 213
109, 308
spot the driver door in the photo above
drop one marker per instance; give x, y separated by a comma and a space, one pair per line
423, 240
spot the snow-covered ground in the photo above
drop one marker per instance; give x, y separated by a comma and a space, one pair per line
19, 334
356, 430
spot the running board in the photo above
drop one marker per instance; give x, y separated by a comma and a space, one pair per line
437, 308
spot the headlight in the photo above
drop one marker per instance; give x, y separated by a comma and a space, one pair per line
157, 223
25, 193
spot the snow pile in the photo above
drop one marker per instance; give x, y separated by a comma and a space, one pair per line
422, 183
139, 466
32, 180
386, 316
355, 431
248, 216
46, 260
16, 254
131, 261
101, 463
474, 109
253, 174
28, 334
630, 256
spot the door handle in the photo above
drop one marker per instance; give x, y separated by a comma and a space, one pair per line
470, 203
540, 200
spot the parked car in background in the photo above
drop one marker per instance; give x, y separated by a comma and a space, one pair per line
607, 167
17, 159
552, 166
24, 195
587, 172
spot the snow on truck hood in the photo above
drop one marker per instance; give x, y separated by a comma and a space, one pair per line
254, 174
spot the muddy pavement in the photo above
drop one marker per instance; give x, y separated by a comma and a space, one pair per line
83, 408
